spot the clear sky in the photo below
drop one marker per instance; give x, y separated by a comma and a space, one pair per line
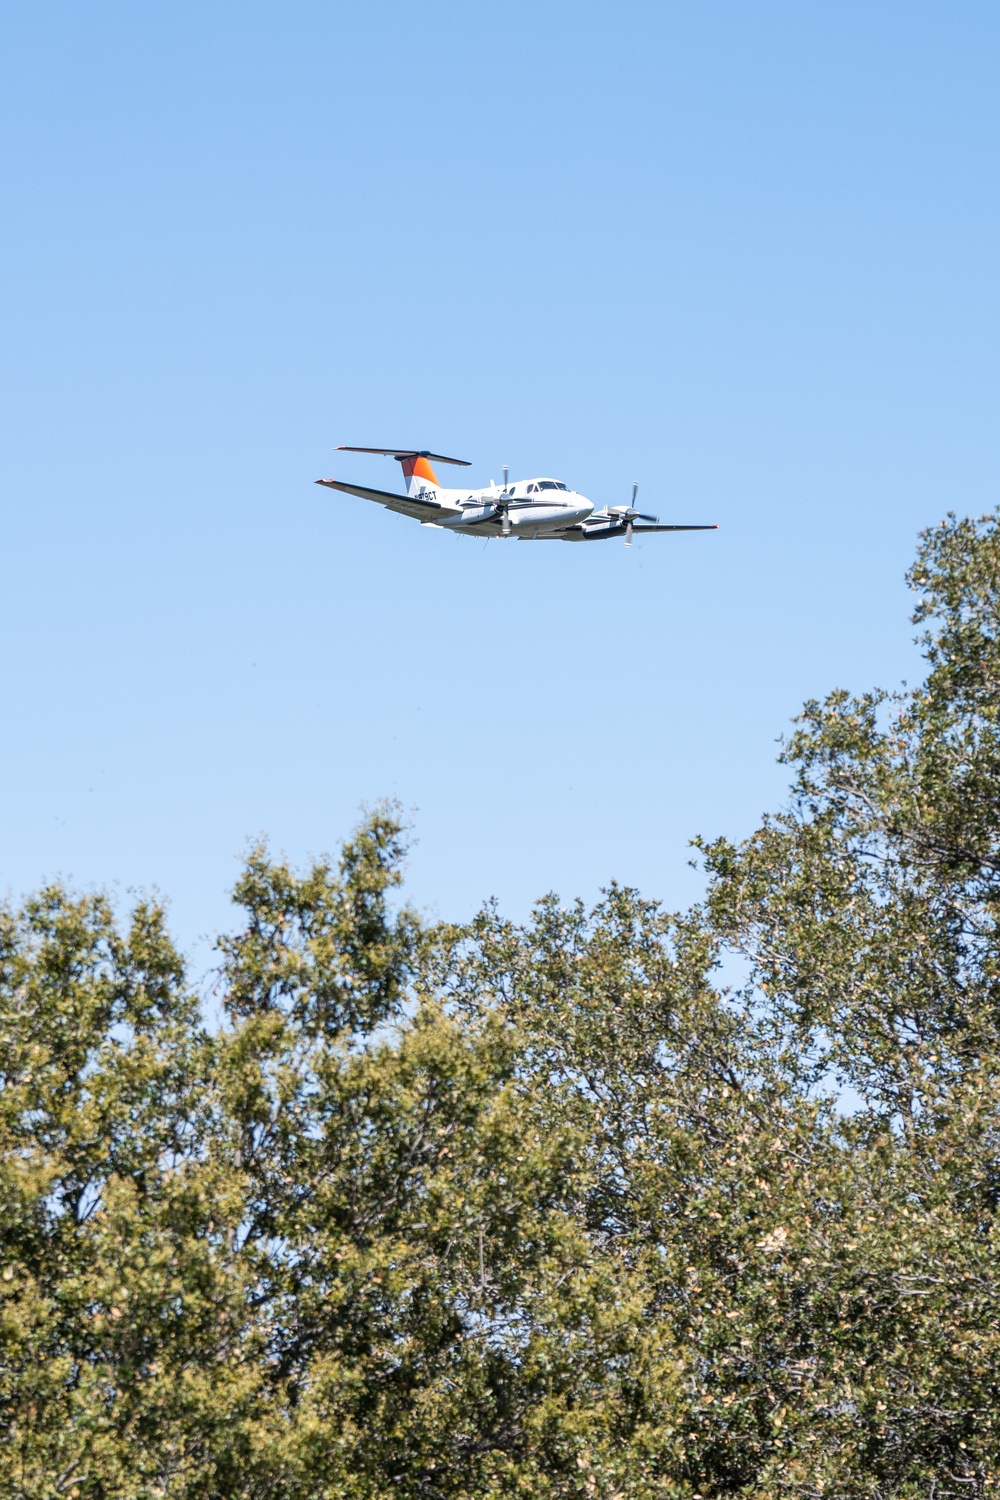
746, 253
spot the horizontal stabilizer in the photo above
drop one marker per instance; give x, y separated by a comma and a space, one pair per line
401, 453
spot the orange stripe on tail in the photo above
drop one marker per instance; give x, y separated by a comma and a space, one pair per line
420, 468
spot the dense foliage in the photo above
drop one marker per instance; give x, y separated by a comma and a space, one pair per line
537, 1210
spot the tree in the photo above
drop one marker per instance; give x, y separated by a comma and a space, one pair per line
867, 912
543, 1209
118, 1318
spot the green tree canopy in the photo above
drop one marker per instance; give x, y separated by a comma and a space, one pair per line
541, 1209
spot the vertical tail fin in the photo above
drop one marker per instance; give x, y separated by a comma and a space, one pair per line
418, 474
416, 465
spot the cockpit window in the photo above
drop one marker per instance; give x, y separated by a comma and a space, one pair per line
550, 484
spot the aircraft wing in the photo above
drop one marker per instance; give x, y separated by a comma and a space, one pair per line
710, 527
406, 505
603, 531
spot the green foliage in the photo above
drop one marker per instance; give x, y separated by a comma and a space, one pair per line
537, 1210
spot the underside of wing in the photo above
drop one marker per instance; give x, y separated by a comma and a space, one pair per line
405, 505
604, 531
712, 526
578, 533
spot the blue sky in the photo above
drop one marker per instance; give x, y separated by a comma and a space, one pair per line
744, 253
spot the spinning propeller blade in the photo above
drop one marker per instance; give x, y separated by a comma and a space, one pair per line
503, 505
629, 514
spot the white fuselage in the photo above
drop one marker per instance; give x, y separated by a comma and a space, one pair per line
528, 508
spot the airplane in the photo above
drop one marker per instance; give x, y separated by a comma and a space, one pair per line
532, 510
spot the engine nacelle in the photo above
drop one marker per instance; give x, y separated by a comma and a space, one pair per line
470, 515
548, 517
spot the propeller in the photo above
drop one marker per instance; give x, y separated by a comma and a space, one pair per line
505, 502
628, 514
499, 508
502, 505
